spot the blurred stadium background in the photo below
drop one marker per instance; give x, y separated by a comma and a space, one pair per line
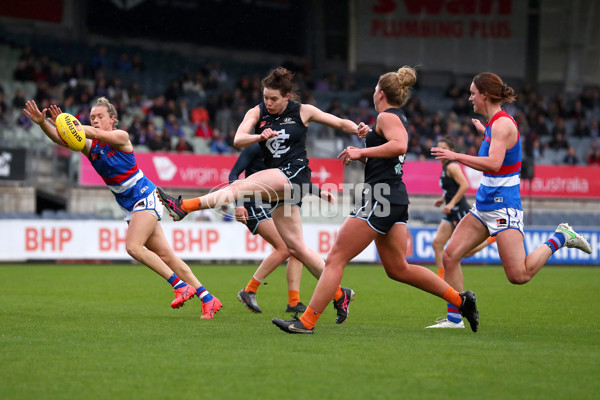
183, 73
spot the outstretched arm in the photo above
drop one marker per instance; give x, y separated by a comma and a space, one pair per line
456, 173
243, 161
117, 138
502, 132
311, 113
396, 145
39, 117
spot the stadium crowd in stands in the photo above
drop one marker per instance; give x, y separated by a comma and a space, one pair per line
201, 107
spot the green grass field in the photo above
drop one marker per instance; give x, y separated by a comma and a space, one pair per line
107, 332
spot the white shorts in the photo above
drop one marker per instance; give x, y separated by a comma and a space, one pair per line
500, 220
149, 204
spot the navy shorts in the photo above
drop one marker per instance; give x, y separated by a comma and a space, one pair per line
298, 175
455, 216
256, 215
380, 217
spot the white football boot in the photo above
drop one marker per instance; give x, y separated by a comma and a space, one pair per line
573, 239
444, 323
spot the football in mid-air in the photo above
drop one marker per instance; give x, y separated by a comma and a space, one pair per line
70, 131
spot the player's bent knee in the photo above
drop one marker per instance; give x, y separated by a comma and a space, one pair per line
336, 261
450, 260
133, 251
518, 278
294, 252
283, 253
438, 244
335, 266
280, 247
396, 274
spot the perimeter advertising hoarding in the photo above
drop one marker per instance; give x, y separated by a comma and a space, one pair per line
29, 240
25, 240
420, 248
550, 181
191, 171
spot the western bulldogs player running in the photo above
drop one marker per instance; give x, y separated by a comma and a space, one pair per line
111, 154
497, 210
383, 214
279, 124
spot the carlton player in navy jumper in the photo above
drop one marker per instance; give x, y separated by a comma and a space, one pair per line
383, 212
111, 154
497, 210
279, 124
257, 219
454, 185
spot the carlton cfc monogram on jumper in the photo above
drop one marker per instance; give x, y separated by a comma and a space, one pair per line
276, 145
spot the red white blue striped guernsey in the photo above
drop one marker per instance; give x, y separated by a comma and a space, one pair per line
500, 189
120, 172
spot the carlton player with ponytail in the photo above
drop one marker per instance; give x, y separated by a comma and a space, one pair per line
497, 210
382, 213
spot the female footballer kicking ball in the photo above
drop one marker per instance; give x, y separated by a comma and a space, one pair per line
258, 220
280, 125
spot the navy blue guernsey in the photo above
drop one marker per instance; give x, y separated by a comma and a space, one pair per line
250, 161
450, 187
290, 146
386, 171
